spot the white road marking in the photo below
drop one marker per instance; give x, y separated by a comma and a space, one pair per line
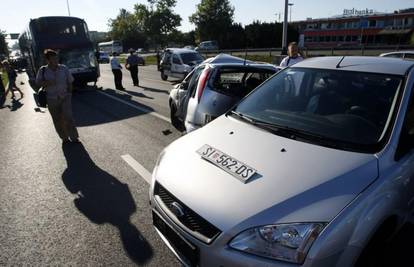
153, 113
137, 167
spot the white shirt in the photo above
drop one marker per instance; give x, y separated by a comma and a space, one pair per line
115, 63
289, 61
60, 79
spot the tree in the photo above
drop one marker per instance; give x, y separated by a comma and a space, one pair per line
147, 25
260, 35
3, 44
212, 19
125, 28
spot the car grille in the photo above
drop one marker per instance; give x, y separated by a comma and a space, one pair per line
190, 219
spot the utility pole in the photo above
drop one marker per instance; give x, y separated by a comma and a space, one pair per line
285, 27
290, 19
67, 4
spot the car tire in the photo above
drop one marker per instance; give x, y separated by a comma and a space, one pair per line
175, 121
164, 77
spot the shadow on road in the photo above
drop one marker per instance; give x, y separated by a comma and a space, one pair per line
14, 106
92, 108
155, 90
104, 199
137, 94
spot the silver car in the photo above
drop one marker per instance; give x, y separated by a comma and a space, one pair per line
214, 87
314, 168
407, 55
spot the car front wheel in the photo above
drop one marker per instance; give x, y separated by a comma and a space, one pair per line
164, 77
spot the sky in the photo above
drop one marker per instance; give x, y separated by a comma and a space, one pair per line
16, 13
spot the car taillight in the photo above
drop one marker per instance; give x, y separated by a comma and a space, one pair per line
202, 83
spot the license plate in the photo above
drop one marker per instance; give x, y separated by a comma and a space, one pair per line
231, 165
182, 246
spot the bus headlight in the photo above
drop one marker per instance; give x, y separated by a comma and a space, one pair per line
286, 242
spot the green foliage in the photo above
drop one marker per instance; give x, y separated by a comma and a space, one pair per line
3, 44
259, 35
147, 25
213, 18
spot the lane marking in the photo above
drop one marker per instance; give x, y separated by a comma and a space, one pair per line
137, 167
146, 110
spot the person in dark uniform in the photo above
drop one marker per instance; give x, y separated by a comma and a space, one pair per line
132, 65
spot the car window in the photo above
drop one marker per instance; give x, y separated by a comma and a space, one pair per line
409, 57
176, 59
349, 107
397, 55
192, 86
407, 134
239, 82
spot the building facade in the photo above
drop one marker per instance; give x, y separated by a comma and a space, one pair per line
358, 27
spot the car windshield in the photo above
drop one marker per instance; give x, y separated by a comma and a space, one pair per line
191, 58
349, 108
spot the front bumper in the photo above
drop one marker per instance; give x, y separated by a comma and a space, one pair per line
218, 253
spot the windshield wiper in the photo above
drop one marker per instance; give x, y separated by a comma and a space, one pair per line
289, 132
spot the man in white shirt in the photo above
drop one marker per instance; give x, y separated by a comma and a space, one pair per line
57, 80
293, 56
117, 71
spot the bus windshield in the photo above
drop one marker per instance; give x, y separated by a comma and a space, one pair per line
60, 28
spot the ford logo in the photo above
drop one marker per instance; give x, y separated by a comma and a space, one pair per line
177, 209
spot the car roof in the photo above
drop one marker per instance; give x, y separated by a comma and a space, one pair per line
397, 53
228, 60
180, 50
394, 66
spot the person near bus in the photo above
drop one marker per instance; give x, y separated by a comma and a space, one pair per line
132, 65
293, 56
117, 71
11, 75
2, 89
57, 80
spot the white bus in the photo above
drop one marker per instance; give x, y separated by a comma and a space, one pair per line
110, 47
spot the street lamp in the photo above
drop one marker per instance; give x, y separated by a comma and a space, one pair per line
290, 4
67, 4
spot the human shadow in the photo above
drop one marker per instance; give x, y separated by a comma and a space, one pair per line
155, 90
137, 94
15, 104
104, 199
103, 106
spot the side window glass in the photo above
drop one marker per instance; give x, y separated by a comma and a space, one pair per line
409, 57
176, 60
406, 142
194, 81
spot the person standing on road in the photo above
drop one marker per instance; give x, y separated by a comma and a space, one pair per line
117, 71
57, 80
11, 75
132, 65
293, 56
2, 89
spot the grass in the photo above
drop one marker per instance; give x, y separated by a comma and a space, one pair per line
149, 60
4, 79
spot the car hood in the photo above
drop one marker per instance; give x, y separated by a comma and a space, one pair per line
306, 183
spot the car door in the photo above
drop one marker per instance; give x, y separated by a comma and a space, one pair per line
405, 159
176, 65
166, 63
181, 95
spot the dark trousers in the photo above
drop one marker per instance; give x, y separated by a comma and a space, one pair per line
118, 79
134, 74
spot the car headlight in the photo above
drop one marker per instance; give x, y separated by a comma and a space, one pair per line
287, 242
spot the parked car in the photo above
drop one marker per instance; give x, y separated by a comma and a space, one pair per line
314, 168
141, 60
190, 47
214, 87
207, 45
178, 62
408, 55
103, 57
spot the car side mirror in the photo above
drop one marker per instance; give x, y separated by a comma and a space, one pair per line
184, 85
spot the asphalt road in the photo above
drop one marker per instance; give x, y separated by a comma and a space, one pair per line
87, 204
83, 204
